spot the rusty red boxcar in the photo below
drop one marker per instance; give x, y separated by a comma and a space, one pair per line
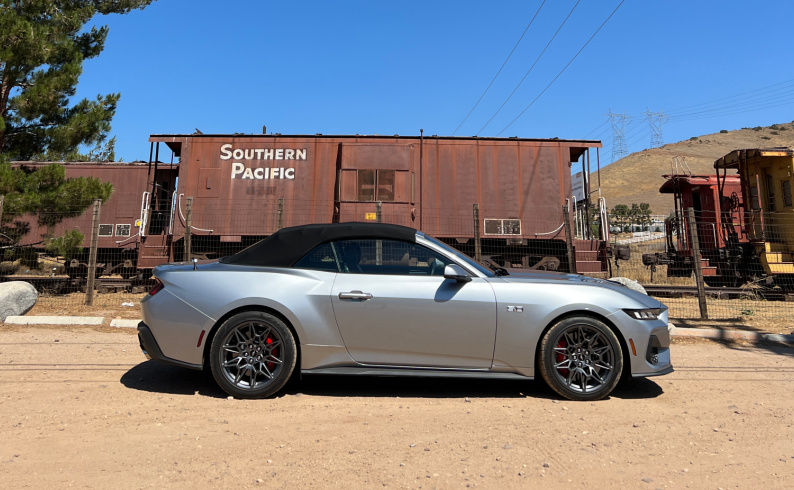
244, 187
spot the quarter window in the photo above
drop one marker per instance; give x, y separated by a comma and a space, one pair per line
321, 258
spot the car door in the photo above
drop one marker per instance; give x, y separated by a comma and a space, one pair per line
394, 307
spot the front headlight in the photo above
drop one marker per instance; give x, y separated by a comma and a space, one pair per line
647, 314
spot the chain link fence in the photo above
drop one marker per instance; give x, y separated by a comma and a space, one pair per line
702, 266
739, 267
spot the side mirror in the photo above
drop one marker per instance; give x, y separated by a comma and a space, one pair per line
454, 271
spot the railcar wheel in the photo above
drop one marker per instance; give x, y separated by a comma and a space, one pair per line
252, 355
581, 359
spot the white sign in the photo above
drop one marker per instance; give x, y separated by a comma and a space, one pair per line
245, 170
577, 184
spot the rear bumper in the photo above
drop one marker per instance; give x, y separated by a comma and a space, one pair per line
152, 351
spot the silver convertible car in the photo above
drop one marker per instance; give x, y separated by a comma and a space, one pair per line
378, 299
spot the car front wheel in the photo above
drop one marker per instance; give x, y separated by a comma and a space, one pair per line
581, 358
252, 355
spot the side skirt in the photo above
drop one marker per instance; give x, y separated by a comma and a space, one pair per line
431, 373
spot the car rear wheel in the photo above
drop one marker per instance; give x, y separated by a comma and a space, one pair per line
581, 359
252, 355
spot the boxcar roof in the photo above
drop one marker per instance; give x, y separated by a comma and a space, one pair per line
674, 181
734, 158
284, 247
161, 137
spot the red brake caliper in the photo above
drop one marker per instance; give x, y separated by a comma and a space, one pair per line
274, 353
559, 356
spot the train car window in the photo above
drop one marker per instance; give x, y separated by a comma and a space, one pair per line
502, 226
376, 185
385, 189
770, 192
366, 185
786, 186
122, 230
105, 230
754, 198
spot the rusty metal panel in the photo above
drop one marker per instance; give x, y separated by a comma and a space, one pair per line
316, 176
118, 215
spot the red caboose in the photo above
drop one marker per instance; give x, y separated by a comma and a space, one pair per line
718, 220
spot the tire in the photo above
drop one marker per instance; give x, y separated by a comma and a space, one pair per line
581, 359
252, 355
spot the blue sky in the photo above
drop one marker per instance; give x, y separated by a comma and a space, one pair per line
365, 67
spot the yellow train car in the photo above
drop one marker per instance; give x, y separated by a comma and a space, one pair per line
766, 179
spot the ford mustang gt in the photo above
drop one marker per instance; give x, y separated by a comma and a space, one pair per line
378, 299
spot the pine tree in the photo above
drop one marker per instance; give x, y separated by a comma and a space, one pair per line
43, 44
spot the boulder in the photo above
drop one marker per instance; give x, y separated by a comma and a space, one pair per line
629, 283
16, 298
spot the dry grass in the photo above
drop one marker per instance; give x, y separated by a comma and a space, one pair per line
106, 305
633, 268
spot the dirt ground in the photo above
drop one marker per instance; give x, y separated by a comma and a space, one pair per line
82, 407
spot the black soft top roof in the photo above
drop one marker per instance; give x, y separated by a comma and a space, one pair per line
284, 247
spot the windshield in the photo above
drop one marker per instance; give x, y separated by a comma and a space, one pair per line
461, 256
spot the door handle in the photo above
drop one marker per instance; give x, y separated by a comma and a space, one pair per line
355, 295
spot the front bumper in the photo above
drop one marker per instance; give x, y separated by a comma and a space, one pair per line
152, 351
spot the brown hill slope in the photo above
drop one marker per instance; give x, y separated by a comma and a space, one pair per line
637, 177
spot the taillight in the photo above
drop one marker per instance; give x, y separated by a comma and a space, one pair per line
158, 285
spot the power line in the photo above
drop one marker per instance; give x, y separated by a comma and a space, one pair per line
531, 67
500, 69
563, 69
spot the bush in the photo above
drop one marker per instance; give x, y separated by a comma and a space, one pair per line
723, 130
765, 138
693, 138
773, 132
757, 128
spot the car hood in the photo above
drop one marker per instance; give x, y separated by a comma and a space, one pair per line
548, 277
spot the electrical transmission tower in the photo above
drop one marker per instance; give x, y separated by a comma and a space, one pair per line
618, 121
656, 120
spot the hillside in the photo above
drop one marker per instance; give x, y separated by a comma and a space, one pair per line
637, 177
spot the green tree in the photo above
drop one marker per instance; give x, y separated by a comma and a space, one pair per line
620, 215
644, 215
43, 44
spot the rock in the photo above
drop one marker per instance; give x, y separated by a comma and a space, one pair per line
629, 283
16, 298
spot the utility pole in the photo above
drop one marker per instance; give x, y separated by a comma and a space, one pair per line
618, 121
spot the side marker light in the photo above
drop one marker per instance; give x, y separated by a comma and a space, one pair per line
631, 341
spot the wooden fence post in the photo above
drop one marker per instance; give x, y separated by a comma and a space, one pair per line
89, 292
477, 244
280, 214
698, 266
188, 227
566, 217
